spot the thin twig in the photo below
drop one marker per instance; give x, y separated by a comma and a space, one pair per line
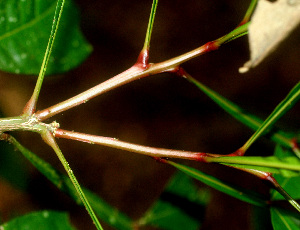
145, 150
138, 71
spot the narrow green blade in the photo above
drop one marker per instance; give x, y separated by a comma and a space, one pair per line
239, 193
287, 166
238, 113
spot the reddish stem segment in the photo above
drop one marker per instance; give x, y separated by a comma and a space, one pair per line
129, 75
145, 150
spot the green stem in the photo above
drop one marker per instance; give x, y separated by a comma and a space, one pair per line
249, 12
31, 104
284, 194
236, 33
49, 139
150, 25
277, 113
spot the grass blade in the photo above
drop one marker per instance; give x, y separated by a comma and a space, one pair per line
150, 25
288, 163
239, 193
31, 105
288, 103
235, 111
49, 139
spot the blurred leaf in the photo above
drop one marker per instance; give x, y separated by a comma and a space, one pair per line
232, 190
24, 32
271, 23
175, 209
12, 166
45, 220
283, 219
104, 211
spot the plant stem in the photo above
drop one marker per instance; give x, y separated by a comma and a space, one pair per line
145, 150
279, 189
31, 104
251, 161
49, 139
249, 12
137, 72
150, 25
129, 75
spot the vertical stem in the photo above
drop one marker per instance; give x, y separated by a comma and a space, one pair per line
150, 25
31, 104
143, 59
49, 139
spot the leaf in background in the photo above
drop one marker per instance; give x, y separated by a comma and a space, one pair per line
283, 219
12, 166
24, 32
271, 23
45, 220
232, 190
175, 209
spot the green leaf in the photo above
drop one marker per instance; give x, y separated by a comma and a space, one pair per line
174, 210
232, 190
286, 166
291, 185
284, 220
24, 31
106, 212
45, 220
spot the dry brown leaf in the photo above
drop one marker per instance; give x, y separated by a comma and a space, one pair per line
271, 23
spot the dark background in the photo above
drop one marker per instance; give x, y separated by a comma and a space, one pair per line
162, 111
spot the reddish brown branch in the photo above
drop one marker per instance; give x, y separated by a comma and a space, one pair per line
145, 150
